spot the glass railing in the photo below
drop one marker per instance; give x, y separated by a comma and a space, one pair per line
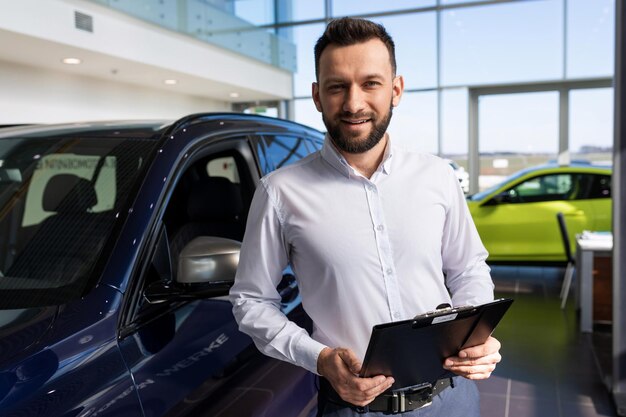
214, 25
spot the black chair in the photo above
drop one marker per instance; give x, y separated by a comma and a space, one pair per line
571, 263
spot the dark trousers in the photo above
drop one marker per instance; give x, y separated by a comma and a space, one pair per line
462, 400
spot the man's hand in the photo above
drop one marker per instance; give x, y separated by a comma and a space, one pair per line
341, 368
477, 362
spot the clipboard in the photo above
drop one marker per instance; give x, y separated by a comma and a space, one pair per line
413, 351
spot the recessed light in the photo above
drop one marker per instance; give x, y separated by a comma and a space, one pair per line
71, 61
234, 95
170, 82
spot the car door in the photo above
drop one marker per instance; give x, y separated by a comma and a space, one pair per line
520, 224
188, 357
599, 198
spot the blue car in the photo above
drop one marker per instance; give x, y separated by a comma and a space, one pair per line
118, 244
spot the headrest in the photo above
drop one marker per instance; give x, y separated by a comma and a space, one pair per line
214, 199
69, 193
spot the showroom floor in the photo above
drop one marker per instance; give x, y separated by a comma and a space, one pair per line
549, 369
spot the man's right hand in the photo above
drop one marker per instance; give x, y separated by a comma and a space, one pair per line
341, 368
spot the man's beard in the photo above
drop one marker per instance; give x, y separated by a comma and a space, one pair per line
352, 145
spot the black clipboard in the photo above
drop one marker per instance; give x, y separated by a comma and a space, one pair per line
413, 351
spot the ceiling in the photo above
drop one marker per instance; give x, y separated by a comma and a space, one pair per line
46, 54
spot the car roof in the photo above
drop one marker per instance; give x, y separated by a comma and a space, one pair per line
139, 128
143, 128
576, 166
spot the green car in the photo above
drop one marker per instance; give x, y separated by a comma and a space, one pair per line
516, 219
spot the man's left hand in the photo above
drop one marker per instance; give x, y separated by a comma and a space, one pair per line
477, 362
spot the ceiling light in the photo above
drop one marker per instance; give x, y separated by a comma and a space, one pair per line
234, 95
71, 61
170, 82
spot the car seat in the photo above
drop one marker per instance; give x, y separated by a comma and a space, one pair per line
65, 245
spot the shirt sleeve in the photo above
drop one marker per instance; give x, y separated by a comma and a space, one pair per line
256, 302
463, 254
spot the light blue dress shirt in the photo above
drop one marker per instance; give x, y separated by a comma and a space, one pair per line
364, 251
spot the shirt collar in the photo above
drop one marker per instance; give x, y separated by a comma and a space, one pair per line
336, 160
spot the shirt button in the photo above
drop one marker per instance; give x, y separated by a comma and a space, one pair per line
389, 271
380, 227
396, 315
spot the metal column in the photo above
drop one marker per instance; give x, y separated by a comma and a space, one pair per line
473, 153
619, 202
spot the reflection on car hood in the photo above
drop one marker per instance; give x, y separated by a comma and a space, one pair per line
22, 328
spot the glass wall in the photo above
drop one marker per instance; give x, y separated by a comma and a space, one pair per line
454, 138
416, 60
446, 51
591, 125
516, 131
591, 39
414, 124
447, 48
233, 25
502, 43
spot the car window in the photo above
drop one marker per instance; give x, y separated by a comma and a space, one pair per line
225, 167
82, 166
211, 198
60, 198
543, 188
282, 150
600, 186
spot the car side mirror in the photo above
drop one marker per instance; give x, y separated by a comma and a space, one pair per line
206, 268
500, 198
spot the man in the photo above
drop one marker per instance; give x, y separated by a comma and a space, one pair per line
373, 234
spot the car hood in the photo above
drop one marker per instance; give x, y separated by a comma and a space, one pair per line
472, 205
23, 328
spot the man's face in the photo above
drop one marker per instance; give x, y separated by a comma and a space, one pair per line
355, 94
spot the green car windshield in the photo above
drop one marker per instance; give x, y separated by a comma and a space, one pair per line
481, 195
60, 200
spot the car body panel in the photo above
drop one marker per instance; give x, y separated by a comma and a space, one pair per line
109, 352
527, 230
78, 372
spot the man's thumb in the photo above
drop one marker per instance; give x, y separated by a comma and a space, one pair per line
351, 361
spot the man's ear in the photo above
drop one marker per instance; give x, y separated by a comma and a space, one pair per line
315, 92
397, 90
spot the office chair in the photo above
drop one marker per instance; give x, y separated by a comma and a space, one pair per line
571, 263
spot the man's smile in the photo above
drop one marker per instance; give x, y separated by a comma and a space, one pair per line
355, 121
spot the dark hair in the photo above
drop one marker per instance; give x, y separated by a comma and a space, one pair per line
349, 31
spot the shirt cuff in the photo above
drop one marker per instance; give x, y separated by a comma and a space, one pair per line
309, 350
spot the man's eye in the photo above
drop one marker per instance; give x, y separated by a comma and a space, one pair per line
372, 84
335, 87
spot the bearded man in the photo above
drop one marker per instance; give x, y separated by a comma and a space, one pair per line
373, 233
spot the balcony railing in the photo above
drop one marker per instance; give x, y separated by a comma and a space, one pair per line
213, 25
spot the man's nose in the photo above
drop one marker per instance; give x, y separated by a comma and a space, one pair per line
354, 101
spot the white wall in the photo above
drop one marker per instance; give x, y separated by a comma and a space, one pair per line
35, 95
124, 64
124, 38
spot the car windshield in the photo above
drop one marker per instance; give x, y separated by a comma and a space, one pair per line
60, 200
481, 195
